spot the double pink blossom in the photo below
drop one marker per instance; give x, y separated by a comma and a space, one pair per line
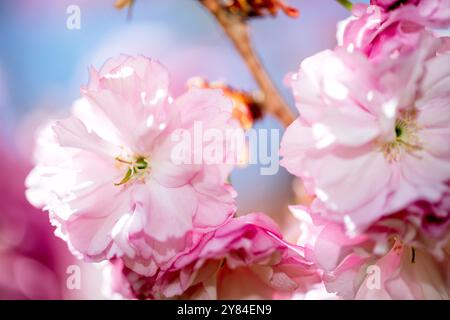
433, 13
107, 177
371, 146
394, 259
371, 138
388, 29
244, 259
404, 273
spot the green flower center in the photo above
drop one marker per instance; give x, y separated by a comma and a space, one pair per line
137, 169
406, 139
398, 131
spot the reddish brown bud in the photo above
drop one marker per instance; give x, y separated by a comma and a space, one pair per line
246, 106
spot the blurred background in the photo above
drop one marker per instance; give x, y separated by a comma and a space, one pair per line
43, 64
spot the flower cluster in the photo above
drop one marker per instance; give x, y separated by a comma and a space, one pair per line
372, 148
108, 179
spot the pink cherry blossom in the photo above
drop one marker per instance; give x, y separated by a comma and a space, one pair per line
244, 259
394, 259
371, 138
380, 33
404, 273
106, 176
326, 241
435, 13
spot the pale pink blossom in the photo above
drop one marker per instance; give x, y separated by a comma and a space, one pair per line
380, 33
394, 259
106, 174
244, 259
404, 273
326, 241
371, 138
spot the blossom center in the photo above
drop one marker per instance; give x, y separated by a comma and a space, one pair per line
138, 168
405, 140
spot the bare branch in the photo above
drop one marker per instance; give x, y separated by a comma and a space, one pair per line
237, 30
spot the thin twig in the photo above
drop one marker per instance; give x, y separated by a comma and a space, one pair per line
237, 30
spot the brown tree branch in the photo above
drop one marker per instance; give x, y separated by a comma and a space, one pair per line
237, 30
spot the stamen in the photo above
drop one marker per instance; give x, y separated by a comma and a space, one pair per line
137, 169
123, 161
126, 178
405, 137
